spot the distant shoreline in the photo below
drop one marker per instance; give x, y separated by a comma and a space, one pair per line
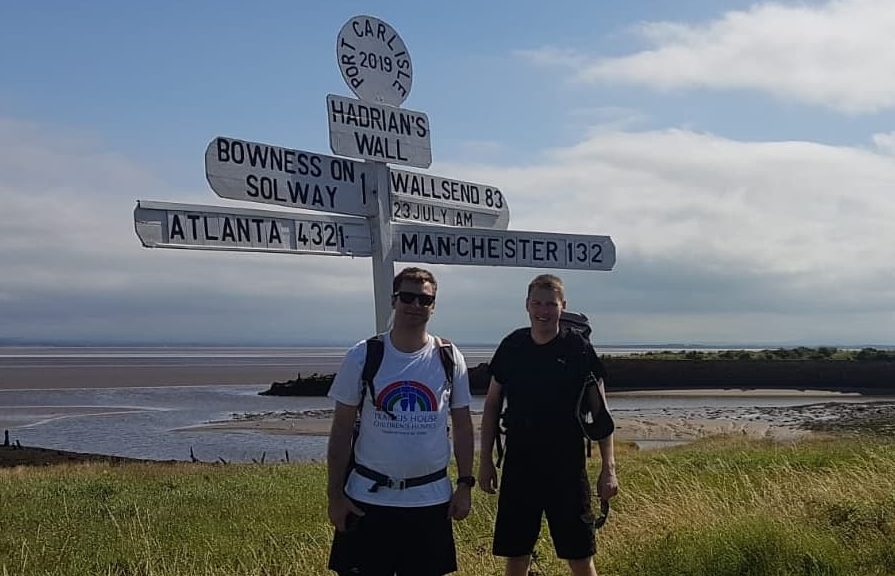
666, 371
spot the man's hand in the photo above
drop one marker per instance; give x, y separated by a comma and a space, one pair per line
461, 502
339, 507
607, 483
488, 476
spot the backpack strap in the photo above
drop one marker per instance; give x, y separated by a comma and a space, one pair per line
446, 355
375, 352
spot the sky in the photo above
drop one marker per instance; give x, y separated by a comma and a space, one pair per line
741, 156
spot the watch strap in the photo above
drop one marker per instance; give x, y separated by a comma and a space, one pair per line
466, 480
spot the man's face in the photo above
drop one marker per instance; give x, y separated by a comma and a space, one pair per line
544, 307
420, 307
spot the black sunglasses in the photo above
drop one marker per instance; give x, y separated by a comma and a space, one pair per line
409, 297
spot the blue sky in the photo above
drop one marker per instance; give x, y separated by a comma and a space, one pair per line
740, 154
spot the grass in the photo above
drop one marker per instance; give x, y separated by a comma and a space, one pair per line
726, 506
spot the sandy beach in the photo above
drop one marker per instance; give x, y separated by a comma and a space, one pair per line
628, 427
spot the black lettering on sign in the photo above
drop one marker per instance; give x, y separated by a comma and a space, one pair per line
596, 253
552, 248
379, 146
316, 234
422, 126
243, 230
208, 234
252, 183
428, 247
274, 233
537, 250
258, 228
227, 233
409, 244
230, 151
223, 147
493, 198
176, 228
576, 251
509, 248
444, 246
341, 170
494, 248
464, 250
194, 218
523, 249
478, 247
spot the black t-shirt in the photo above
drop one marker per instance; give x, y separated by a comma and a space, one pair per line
541, 383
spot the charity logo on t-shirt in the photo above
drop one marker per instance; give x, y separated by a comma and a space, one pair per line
412, 403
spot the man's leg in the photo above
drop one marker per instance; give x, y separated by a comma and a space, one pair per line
518, 566
582, 567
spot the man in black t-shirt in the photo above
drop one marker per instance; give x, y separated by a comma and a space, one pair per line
540, 371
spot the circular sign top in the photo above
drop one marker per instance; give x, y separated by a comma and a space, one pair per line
374, 61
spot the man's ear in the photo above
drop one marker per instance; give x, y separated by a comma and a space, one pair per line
563, 304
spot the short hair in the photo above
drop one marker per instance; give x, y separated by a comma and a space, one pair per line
548, 282
414, 275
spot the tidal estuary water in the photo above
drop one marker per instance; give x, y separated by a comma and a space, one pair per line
150, 403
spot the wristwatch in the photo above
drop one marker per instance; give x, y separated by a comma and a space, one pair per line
466, 480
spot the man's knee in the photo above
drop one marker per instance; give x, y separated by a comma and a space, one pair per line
583, 567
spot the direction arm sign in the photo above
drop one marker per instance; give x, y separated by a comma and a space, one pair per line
289, 178
174, 225
446, 201
360, 129
442, 245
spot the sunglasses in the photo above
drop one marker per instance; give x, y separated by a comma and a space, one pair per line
409, 297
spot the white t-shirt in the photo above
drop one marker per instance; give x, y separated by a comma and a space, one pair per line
414, 387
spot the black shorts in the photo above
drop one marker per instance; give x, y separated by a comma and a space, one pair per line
390, 540
527, 493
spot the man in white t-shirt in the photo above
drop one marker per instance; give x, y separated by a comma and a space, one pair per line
392, 503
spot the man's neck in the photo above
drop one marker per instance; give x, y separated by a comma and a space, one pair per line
544, 335
409, 340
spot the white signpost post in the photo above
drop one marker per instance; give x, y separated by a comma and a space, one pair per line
436, 220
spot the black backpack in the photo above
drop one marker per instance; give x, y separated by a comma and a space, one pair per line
593, 426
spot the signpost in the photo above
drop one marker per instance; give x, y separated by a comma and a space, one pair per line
374, 61
289, 178
437, 200
477, 247
380, 133
385, 213
173, 225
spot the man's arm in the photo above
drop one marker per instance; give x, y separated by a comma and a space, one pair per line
338, 455
490, 416
607, 483
464, 449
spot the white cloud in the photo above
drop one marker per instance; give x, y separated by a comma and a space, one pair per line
885, 142
837, 54
797, 218
718, 241
73, 268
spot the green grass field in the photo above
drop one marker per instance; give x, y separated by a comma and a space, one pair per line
725, 506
